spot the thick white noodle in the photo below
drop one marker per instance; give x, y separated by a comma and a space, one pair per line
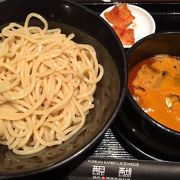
47, 82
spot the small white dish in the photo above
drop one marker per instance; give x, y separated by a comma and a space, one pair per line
143, 24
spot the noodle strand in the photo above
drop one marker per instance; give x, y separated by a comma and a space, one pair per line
47, 83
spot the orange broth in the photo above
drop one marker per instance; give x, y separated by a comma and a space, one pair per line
155, 85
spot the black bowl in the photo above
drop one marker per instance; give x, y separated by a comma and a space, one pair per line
153, 139
88, 28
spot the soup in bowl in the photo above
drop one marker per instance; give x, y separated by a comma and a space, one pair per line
154, 83
151, 110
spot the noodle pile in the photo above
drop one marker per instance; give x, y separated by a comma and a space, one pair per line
47, 82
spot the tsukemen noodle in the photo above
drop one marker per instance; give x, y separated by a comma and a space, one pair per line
47, 82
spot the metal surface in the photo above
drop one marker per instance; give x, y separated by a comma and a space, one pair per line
110, 147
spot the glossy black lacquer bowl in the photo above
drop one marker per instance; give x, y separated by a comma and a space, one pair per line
146, 135
88, 28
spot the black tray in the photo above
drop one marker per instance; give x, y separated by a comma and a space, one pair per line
114, 144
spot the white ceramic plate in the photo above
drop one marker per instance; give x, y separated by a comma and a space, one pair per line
143, 24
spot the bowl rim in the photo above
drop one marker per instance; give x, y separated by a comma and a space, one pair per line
139, 110
106, 126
